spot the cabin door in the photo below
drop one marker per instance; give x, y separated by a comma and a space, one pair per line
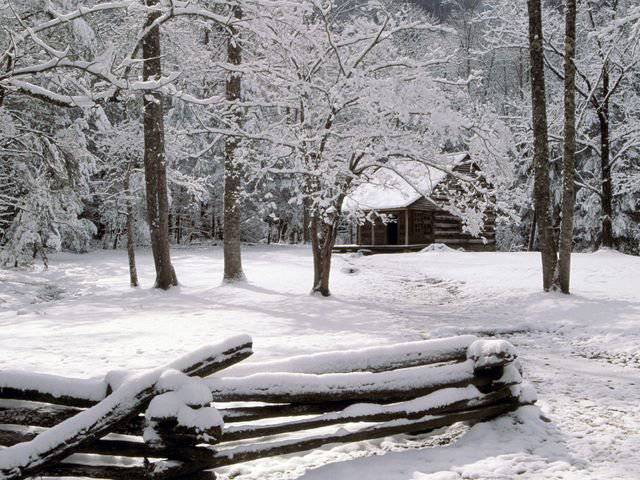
392, 233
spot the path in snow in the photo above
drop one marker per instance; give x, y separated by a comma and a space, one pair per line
80, 318
589, 392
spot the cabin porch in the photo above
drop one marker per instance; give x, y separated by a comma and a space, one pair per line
412, 229
404, 227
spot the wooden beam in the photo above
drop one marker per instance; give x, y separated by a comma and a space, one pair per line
77, 392
32, 413
217, 458
373, 232
368, 359
14, 434
203, 458
114, 472
376, 413
393, 427
406, 227
397, 385
17, 392
56, 443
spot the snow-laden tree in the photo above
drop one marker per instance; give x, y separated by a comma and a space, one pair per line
59, 54
351, 100
600, 28
45, 177
607, 67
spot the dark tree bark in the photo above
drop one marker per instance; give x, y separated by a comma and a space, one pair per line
532, 234
155, 163
569, 153
232, 181
602, 111
305, 224
542, 199
323, 239
131, 221
178, 228
607, 194
116, 238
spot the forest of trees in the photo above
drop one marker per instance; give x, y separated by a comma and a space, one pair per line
130, 123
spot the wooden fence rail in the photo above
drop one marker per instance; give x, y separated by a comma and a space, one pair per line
161, 424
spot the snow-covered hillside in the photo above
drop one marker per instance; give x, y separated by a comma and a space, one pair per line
80, 318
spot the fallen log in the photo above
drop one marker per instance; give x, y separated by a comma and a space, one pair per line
394, 427
404, 391
26, 459
395, 385
440, 402
15, 434
34, 413
84, 393
42, 387
163, 470
118, 472
46, 415
444, 401
246, 414
370, 359
172, 434
202, 458
96, 471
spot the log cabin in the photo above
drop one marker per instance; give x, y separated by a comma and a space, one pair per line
413, 211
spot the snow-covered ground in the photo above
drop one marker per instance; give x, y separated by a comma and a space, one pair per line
80, 318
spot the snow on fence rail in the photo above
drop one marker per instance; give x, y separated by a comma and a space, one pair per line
177, 427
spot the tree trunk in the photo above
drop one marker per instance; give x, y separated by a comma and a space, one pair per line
131, 252
542, 198
178, 228
323, 238
155, 166
232, 184
531, 243
569, 154
607, 195
305, 224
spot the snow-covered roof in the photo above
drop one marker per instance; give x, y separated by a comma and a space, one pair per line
400, 187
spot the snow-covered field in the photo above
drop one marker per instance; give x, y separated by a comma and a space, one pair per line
80, 318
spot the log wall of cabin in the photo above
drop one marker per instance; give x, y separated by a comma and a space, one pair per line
380, 233
380, 229
448, 227
448, 230
427, 223
421, 223
364, 234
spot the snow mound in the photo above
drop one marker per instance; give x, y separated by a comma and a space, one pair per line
607, 252
525, 392
437, 247
179, 404
485, 353
436, 476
